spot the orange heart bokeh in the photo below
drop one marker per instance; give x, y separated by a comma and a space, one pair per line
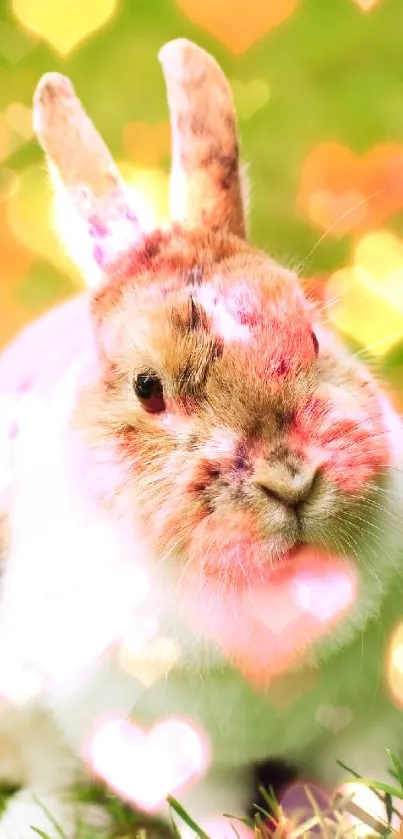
146, 144
341, 192
237, 23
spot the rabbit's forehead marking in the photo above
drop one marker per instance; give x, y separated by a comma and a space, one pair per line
276, 335
224, 318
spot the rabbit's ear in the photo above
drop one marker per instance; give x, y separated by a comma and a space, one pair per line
96, 217
205, 181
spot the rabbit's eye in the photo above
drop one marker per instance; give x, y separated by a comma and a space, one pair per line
315, 344
148, 389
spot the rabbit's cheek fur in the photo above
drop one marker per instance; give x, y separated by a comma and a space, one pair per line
351, 441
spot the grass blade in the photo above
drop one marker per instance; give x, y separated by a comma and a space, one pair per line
397, 766
389, 808
51, 818
379, 785
242, 819
181, 812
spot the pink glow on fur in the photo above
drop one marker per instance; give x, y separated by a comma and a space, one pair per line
13, 430
276, 338
145, 767
393, 426
352, 445
321, 597
78, 640
174, 422
243, 304
39, 357
264, 627
278, 324
225, 323
220, 446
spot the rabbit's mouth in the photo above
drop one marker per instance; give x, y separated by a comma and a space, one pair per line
290, 554
237, 552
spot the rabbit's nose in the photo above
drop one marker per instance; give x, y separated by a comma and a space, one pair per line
285, 486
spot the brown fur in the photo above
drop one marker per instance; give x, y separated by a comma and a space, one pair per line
242, 420
178, 256
251, 411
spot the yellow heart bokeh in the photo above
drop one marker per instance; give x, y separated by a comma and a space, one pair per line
65, 23
151, 187
237, 23
15, 259
31, 215
366, 5
249, 97
15, 128
395, 665
152, 661
368, 295
13, 316
19, 119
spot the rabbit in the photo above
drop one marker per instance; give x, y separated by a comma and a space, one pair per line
190, 458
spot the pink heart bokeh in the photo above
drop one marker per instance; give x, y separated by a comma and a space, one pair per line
147, 766
266, 628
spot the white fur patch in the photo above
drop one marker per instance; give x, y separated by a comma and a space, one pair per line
225, 324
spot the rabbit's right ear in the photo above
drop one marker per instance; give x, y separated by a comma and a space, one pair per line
206, 188
96, 217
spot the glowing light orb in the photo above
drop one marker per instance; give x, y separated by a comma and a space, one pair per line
299, 809
250, 97
366, 5
145, 767
394, 666
63, 655
149, 191
324, 596
30, 216
341, 192
373, 808
147, 144
397, 658
334, 718
373, 285
19, 682
267, 626
15, 128
149, 662
14, 44
65, 24
237, 23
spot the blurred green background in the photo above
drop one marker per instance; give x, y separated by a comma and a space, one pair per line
318, 86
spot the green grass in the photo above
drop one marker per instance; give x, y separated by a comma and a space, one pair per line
268, 822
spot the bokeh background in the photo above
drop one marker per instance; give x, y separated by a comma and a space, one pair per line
318, 86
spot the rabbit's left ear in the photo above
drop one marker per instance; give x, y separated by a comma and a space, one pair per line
96, 217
